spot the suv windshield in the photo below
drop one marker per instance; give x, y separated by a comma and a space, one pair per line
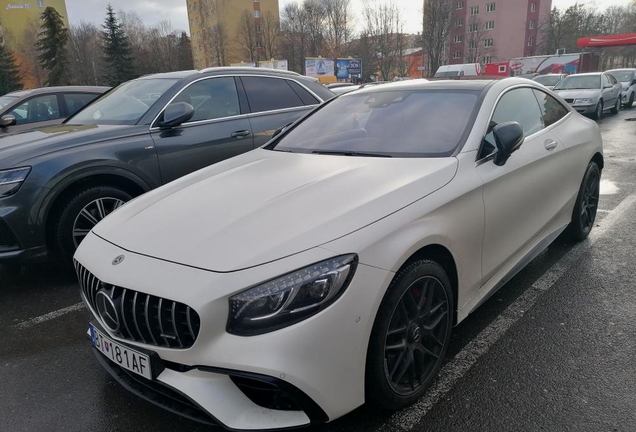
579, 82
392, 123
548, 80
623, 75
125, 105
6, 100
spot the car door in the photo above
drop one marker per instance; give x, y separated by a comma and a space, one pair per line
519, 197
609, 94
218, 130
274, 102
616, 87
37, 111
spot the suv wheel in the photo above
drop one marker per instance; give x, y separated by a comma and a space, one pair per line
81, 213
617, 106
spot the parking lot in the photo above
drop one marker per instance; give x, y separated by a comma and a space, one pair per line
553, 350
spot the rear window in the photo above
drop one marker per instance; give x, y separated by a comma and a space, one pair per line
423, 123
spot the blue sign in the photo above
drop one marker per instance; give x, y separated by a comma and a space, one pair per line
346, 68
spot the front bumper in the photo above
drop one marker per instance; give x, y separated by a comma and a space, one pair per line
319, 361
585, 109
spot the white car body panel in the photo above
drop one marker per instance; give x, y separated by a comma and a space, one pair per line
215, 233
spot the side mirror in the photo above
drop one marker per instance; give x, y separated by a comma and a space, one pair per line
281, 130
508, 139
176, 114
7, 120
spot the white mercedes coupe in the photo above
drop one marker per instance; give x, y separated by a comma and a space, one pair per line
291, 284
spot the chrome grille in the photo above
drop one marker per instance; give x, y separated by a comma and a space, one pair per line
143, 317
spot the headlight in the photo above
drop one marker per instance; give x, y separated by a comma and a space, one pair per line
291, 298
11, 180
585, 101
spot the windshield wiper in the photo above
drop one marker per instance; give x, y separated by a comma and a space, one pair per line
349, 153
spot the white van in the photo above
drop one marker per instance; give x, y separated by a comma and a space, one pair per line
458, 70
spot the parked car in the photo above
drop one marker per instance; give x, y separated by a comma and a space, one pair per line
549, 80
627, 78
458, 70
291, 284
57, 182
26, 109
591, 93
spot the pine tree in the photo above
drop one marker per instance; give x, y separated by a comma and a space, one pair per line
184, 50
117, 51
51, 44
9, 72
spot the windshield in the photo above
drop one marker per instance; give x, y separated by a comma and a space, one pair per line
6, 100
624, 75
392, 123
446, 74
125, 105
580, 82
548, 80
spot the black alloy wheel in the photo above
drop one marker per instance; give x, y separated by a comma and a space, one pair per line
586, 206
410, 336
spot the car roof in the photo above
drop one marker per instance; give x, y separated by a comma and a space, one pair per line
621, 69
588, 74
225, 70
59, 89
421, 84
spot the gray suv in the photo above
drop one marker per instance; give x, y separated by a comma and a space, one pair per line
57, 182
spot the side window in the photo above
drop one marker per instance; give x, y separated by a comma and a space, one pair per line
304, 95
606, 81
77, 101
519, 105
211, 99
612, 79
37, 109
551, 109
267, 94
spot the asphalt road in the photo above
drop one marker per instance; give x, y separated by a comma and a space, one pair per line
554, 350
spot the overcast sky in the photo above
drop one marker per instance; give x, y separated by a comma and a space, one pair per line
153, 11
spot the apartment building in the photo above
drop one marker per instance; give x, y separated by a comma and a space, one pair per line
486, 31
16, 16
215, 27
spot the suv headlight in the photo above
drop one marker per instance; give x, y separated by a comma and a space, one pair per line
11, 180
291, 298
584, 101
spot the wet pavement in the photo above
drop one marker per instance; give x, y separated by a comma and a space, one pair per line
567, 362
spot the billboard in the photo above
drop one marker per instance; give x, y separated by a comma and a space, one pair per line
274, 64
316, 67
348, 68
566, 63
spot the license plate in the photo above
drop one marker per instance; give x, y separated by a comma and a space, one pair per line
121, 355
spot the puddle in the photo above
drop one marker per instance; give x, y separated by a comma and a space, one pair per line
608, 187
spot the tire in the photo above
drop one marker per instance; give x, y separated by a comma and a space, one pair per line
425, 349
630, 103
617, 106
70, 223
598, 112
586, 205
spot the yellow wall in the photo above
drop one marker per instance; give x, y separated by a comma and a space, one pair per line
202, 18
14, 20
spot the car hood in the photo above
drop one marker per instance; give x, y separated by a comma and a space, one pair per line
578, 93
21, 146
266, 205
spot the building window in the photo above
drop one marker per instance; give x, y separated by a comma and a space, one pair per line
41, 3
489, 43
473, 28
488, 59
490, 7
259, 44
257, 1
472, 44
259, 29
490, 25
457, 54
459, 38
502, 68
531, 42
474, 10
257, 13
459, 22
531, 24
460, 5
533, 7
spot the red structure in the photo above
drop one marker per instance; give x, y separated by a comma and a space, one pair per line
500, 69
607, 41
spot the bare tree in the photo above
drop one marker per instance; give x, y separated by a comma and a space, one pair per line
271, 34
246, 35
27, 46
315, 14
478, 45
85, 54
382, 25
294, 38
216, 32
437, 19
339, 26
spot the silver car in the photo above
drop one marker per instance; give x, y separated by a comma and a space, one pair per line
549, 80
627, 78
591, 93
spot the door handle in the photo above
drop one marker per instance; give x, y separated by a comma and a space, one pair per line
550, 144
240, 134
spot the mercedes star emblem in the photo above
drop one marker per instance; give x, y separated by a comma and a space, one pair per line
107, 311
118, 260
